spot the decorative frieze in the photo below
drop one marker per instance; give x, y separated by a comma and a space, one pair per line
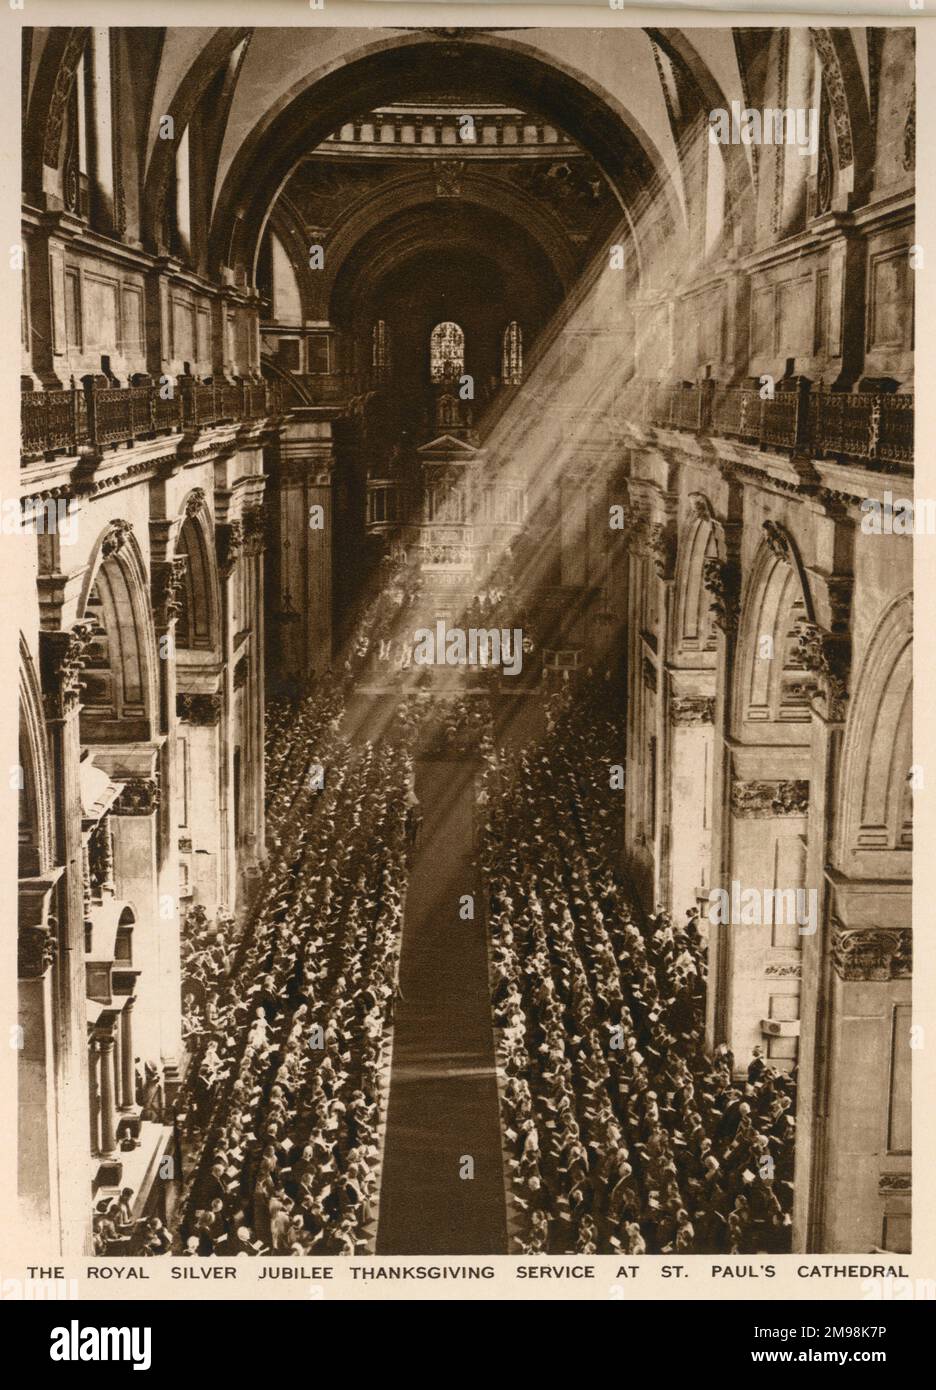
661, 544
778, 541
827, 656
195, 502
872, 953
254, 529
167, 580
722, 579
229, 541
692, 709
448, 177
139, 797
784, 970
204, 710
889, 1183
766, 800
35, 951
64, 78
115, 538
835, 85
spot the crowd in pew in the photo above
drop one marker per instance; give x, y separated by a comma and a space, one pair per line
622, 1134
280, 1113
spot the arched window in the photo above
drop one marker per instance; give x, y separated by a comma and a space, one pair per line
512, 364
446, 352
380, 351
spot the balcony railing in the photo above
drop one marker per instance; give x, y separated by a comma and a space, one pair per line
92, 417
872, 427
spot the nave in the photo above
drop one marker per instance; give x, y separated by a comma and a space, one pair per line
377, 1069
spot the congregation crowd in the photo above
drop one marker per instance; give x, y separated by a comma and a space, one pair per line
280, 1112
622, 1133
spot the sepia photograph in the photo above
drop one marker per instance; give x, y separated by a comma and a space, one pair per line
462, 573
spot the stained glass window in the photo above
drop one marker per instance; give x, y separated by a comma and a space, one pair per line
380, 353
446, 352
512, 366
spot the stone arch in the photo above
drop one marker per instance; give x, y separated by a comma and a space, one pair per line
772, 684
120, 684
701, 541
198, 625
388, 67
45, 118
188, 93
419, 190
36, 832
875, 818
286, 224
681, 49
851, 117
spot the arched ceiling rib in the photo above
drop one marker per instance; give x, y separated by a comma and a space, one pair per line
289, 97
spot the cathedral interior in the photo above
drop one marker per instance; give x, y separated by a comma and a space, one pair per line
332, 337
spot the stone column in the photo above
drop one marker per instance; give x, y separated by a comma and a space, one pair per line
47, 290
661, 543
199, 717
229, 539
833, 1064
61, 655
100, 130
134, 818
722, 579
127, 1089
853, 1179
253, 691
37, 1146
306, 524
768, 819
167, 578
846, 308
108, 1096
689, 796
94, 1094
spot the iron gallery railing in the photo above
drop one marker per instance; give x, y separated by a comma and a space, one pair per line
876, 427
93, 416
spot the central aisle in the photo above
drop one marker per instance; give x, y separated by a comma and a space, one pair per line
443, 1092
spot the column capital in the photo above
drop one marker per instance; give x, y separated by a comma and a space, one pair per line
767, 800
202, 710
692, 709
139, 797
62, 657
828, 656
36, 950
229, 541
167, 579
254, 529
869, 954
